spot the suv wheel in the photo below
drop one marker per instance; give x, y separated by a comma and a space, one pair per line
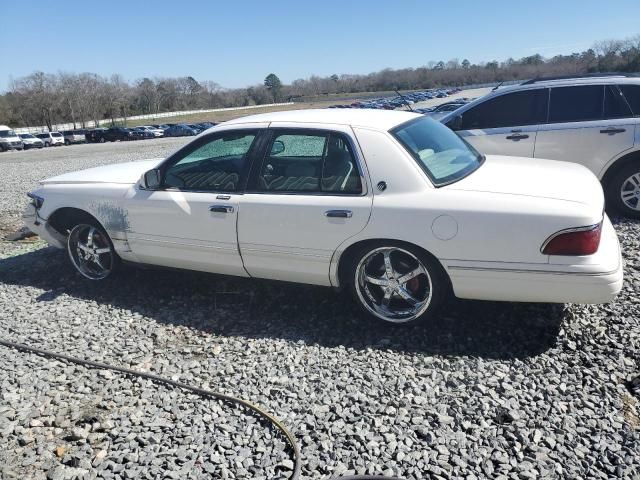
398, 283
623, 190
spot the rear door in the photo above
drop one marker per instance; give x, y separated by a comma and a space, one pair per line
587, 124
507, 124
307, 195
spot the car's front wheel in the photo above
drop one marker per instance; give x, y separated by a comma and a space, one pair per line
623, 190
398, 283
91, 251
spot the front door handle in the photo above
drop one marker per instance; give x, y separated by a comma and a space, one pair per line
517, 136
221, 208
613, 130
338, 213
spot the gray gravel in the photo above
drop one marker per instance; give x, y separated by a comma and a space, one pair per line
491, 390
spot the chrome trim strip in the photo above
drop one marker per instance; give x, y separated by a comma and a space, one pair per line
538, 272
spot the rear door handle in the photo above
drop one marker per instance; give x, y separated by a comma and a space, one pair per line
613, 130
221, 208
338, 213
517, 136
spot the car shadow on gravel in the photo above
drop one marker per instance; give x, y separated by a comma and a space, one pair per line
233, 306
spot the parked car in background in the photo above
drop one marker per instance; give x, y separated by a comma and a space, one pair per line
74, 136
141, 133
590, 120
30, 141
442, 110
157, 132
391, 205
180, 131
9, 140
94, 134
114, 134
51, 139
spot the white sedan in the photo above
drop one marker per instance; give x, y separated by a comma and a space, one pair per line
392, 205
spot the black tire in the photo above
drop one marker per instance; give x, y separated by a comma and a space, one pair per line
625, 181
67, 143
100, 240
429, 288
102, 140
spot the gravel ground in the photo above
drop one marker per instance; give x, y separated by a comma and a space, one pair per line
491, 390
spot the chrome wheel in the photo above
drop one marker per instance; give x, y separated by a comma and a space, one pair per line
393, 284
91, 252
630, 192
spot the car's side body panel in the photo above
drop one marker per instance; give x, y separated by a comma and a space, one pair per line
486, 229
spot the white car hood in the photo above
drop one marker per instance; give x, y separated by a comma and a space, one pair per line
126, 173
533, 177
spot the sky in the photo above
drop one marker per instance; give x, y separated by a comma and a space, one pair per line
236, 43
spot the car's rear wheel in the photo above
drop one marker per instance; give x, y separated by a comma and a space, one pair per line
623, 190
91, 251
398, 283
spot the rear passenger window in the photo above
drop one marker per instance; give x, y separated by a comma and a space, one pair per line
528, 107
632, 95
309, 163
576, 104
615, 105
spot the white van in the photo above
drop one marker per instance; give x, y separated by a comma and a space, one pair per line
9, 140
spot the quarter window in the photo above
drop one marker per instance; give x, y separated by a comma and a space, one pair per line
615, 105
309, 163
576, 104
217, 165
632, 94
527, 107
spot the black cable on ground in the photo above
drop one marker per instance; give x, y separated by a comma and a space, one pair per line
199, 391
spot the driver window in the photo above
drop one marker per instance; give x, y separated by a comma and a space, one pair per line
216, 166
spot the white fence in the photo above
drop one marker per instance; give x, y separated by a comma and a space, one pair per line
151, 116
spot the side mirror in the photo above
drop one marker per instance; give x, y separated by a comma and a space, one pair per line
277, 147
455, 123
151, 179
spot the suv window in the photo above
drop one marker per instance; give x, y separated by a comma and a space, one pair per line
527, 107
309, 163
217, 165
576, 104
632, 95
615, 105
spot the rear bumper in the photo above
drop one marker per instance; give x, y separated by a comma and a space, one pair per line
598, 279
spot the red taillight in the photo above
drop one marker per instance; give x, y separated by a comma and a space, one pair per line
577, 241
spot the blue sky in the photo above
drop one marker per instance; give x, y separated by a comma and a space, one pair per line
237, 43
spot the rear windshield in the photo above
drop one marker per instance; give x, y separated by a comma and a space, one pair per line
443, 155
56, 134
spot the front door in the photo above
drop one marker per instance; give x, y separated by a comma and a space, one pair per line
506, 124
190, 222
306, 197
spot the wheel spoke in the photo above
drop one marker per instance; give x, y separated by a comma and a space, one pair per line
83, 247
635, 180
404, 293
387, 263
92, 231
387, 297
376, 280
412, 274
100, 251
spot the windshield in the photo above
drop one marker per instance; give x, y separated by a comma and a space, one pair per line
56, 134
26, 135
7, 133
442, 154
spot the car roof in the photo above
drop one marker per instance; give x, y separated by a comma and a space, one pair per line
376, 119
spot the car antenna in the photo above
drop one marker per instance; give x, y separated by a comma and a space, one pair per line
405, 100
497, 86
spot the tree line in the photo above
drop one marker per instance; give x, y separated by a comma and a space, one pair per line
47, 98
